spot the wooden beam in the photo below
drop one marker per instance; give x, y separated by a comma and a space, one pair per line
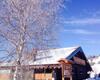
31, 67
63, 60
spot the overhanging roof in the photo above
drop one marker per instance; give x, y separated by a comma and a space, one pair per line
52, 56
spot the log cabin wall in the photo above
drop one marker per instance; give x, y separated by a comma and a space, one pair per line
59, 72
79, 72
49, 74
55, 73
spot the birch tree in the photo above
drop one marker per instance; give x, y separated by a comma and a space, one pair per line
24, 25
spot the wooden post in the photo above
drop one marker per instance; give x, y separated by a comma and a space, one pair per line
53, 74
70, 77
45, 73
33, 74
71, 73
63, 63
62, 71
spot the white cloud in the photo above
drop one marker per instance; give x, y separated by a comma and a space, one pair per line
91, 41
82, 31
85, 21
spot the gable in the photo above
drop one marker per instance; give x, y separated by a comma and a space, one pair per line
78, 49
79, 57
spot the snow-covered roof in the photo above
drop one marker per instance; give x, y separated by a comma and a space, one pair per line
7, 63
52, 56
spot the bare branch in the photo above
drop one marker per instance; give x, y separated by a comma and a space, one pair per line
28, 24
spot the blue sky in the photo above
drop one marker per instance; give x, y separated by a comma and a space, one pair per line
80, 25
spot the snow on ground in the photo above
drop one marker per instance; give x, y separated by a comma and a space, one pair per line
95, 64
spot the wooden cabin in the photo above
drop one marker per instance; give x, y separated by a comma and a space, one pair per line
60, 64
